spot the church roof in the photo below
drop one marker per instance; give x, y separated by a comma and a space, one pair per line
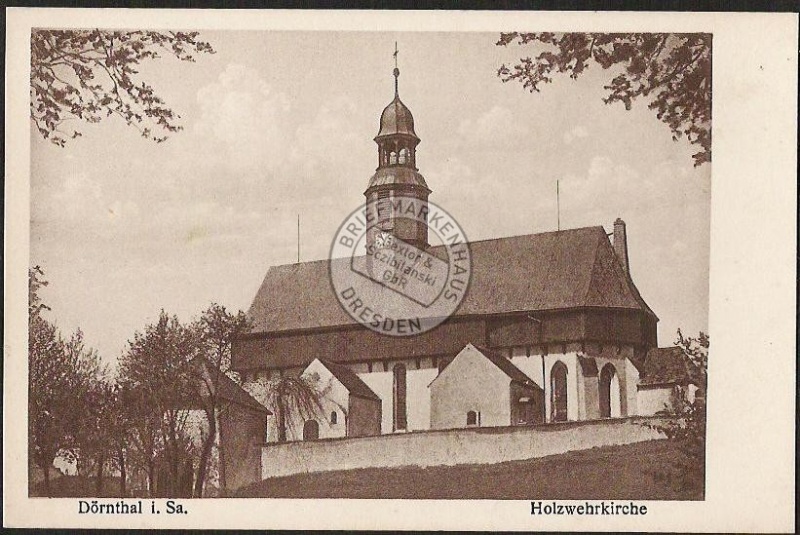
350, 380
535, 272
668, 366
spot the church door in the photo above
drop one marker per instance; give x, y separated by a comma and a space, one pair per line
558, 389
310, 430
609, 392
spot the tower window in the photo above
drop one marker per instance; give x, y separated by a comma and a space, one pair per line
334, 417
384, 206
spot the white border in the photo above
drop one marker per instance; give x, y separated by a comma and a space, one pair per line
751, 402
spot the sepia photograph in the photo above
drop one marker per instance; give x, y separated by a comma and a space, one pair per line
536, 227
371, 264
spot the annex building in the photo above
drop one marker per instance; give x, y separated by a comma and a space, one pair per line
552, 328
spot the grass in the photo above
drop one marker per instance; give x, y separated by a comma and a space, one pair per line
628, 472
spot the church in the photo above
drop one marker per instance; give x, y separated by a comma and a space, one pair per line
551, 329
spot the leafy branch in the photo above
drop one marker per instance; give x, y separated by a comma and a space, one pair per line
672, 70
88, 75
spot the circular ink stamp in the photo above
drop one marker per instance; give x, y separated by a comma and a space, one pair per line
400, 265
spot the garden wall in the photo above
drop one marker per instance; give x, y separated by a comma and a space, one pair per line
483, 445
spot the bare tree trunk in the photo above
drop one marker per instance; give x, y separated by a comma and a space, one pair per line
151, 477
281, 420
205, 454
99, 482
122, 473
47, 481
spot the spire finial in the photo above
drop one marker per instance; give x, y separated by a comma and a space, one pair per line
396, 71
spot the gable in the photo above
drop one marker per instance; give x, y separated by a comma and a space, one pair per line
344, 377
483, 362
471, 364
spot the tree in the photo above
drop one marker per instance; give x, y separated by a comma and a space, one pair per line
90, 74
685, 422
156, 368
672, 70
60, 373
292, 397
118, 424
217, 328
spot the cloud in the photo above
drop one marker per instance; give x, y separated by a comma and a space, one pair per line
497, 128
79, 200
577, 132
242, 119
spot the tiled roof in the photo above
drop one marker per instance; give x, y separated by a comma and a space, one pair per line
667, 365
506, 366
535, 272
230, 391
350, 380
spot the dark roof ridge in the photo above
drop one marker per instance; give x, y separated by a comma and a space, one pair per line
470, 242
349, 379
505, 365
513, 236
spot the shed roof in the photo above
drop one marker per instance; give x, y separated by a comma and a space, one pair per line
505, 365
350, 380
229, 390
535, 272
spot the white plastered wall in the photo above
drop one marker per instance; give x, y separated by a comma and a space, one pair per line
418, 401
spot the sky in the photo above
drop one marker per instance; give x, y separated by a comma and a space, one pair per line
278, 124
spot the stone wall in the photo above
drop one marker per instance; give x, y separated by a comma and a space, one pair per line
484, 445
241, 432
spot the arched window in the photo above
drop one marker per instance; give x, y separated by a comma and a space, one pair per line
399, 397
558, 392
334, 417
310, 430
392, 158
609, 392
472, 418
403, 156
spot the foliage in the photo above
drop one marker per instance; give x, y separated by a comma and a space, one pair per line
293, 399
156, 370
139, 422
672, 70
60, 375
217, 328
685, 422
91, 74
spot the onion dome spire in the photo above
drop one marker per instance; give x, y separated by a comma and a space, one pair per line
397, 174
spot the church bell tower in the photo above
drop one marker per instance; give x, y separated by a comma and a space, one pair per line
397, 175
